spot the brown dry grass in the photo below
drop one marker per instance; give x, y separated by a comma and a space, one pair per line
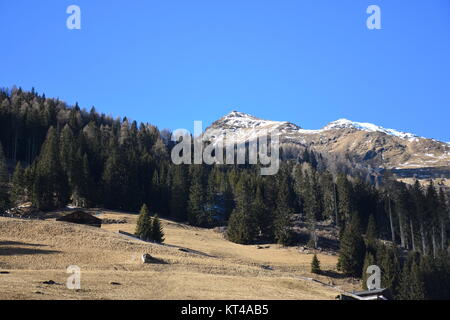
36, 251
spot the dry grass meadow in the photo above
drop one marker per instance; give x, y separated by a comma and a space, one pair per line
206, 267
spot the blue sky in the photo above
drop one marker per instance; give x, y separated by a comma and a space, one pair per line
175, 61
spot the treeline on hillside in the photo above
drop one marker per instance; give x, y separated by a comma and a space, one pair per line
68, 155
410, 275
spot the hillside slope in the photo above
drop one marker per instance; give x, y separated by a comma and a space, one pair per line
212, 268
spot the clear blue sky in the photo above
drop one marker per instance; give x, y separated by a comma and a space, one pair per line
175, 61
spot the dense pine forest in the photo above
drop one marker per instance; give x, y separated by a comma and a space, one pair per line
53, 155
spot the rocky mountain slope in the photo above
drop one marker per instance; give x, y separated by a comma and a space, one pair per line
363, 142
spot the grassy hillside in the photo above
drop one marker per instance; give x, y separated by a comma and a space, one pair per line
212, 268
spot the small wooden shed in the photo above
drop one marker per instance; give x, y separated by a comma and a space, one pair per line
379, 294
81, 217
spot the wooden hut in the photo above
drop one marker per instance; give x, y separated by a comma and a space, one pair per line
81, 217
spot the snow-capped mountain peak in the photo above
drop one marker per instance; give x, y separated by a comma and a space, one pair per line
240, 120
365, 126
236, 114
392, 148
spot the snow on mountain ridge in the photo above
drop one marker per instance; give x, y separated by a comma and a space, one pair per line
240, 120
366, 126
389, 147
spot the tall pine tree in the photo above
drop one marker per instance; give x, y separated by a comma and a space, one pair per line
4, 180
157, 234
50, 189
144, 227
18, 194
242, 225
352, 252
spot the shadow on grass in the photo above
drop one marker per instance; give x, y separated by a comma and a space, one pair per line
13, 248
154, 260
16, 243
332, 274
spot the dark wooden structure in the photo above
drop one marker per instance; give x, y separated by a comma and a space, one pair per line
380, 294
81, 217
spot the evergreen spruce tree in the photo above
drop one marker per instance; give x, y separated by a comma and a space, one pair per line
417, 291
315, 265
405, 280
443, 217
115, 178
432, 217
78, 181
438, 278
157, 234
329, 203
243, 225
404, 210
236, 231
86, 183
144, 227
352, 252
197, 214
50, 189
411, 285
389, 262
212, 185
228, 198
371, 235
179, 194
420, 214
283, 216
369, 260
313, 205
263, 215
345, 199
67, 147
4, 180
283, 225
18, 193
159, 191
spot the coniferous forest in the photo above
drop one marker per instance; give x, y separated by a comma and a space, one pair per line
53, 155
